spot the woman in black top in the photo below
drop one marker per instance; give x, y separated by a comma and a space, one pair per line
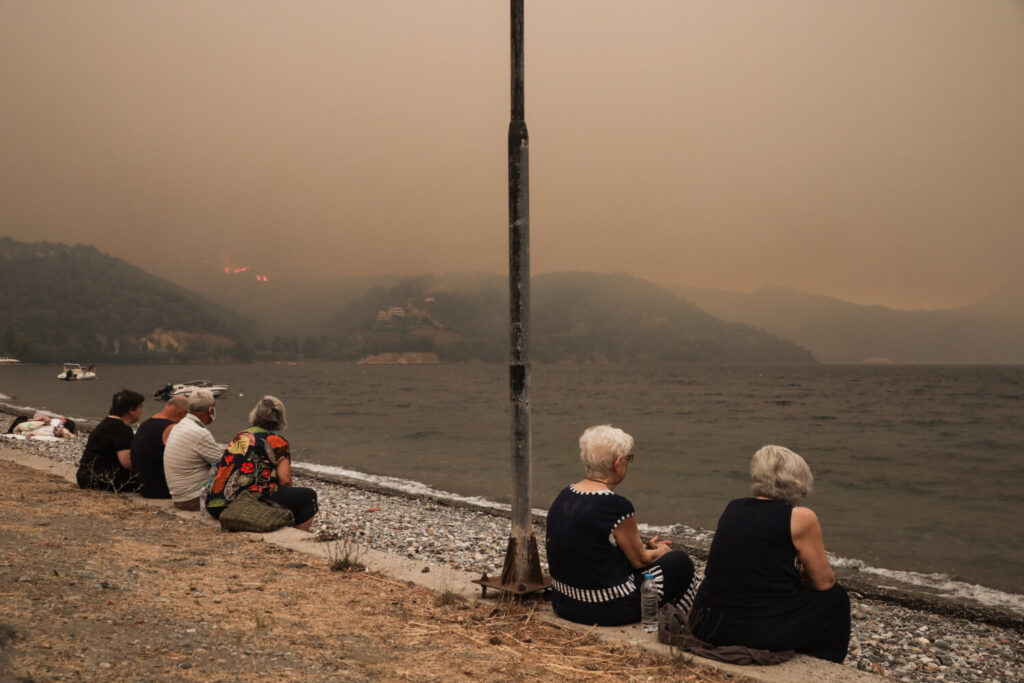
106, 463
596, 556
768, 584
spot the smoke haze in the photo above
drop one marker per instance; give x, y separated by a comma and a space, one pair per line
871, 151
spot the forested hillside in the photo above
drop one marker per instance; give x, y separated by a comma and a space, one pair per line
285, 307
582, 317
61, 303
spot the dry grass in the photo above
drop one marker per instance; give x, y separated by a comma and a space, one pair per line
343, 553
117, 590
549, 650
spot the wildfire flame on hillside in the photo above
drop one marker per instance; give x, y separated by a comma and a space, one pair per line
232, 270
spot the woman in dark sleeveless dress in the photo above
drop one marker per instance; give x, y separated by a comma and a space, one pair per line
768, 584
595, 553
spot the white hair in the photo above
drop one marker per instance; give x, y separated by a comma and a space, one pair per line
600, 445
269, 414
200, 400
781, 474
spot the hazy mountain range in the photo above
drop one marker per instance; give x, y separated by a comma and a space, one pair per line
835, 331
75, 303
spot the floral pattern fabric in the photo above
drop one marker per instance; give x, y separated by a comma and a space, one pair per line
249, 463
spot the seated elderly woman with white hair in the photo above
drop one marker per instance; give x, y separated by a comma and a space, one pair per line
595, 553
259, 460
768, 584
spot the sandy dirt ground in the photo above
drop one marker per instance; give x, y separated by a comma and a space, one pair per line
97, 586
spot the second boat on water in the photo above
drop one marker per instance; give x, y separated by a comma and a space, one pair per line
186, 389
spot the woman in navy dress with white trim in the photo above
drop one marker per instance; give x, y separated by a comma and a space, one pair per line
595, 553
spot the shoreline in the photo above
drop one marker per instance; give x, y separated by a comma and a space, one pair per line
884, 589
940, 590
903, 635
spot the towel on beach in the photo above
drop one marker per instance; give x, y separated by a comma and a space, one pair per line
674, 629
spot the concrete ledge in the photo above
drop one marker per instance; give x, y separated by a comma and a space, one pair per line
440, 579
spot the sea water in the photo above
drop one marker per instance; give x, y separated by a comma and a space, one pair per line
918, 469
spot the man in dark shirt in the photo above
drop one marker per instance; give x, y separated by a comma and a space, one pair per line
148, 448
106, 463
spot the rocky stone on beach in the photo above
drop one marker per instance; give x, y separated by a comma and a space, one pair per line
905, 642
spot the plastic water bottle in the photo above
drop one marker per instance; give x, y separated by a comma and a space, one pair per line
649, 604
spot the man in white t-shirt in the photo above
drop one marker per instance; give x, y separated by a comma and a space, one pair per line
191, 450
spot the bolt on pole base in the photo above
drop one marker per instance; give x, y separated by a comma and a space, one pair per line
533, 582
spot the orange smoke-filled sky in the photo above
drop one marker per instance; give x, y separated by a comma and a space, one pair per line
869, 150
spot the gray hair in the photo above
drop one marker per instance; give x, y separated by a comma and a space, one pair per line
781, 474
200, 400
269, 414
600, 445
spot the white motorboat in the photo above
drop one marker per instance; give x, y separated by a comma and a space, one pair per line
75, 371
186, 389
9, 361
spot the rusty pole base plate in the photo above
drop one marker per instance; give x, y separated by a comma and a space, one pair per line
518, 589
533, 580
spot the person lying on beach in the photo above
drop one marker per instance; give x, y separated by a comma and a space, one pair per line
148, 448
596, 556
106, 462
43, 425
259, 460
190, 451
768, 584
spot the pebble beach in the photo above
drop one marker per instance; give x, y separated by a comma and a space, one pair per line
898, 641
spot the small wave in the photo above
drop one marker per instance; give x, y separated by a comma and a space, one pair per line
419, 435
13, 406
692, 534
409, 486
942, 583
934, 422
84, 421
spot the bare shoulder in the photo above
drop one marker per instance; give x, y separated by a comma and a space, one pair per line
803, 520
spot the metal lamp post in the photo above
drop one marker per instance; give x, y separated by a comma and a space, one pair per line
521, 571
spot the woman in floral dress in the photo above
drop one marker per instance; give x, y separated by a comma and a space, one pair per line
259, 460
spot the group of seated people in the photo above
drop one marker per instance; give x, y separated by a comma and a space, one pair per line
174, 455
767, 584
